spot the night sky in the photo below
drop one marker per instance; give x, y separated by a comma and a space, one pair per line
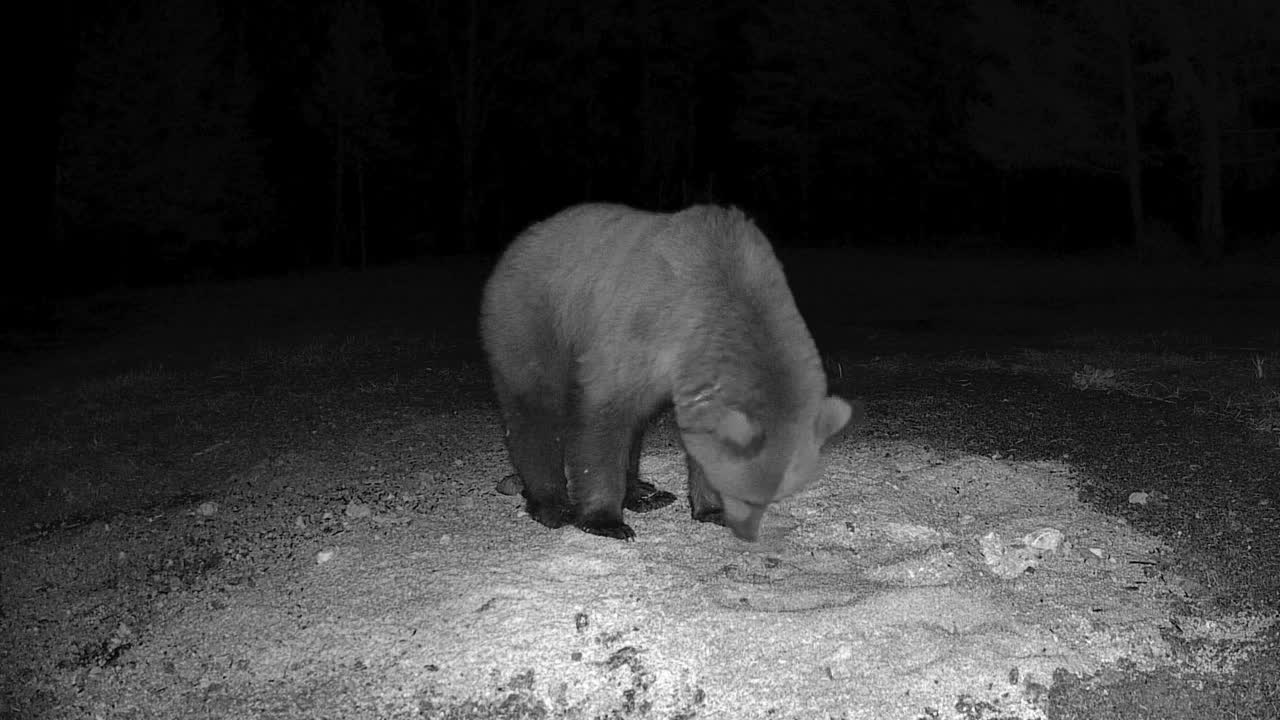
224, 138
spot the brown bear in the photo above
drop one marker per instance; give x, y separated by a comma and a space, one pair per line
600, 316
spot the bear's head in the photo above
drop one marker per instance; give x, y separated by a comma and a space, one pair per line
754, 458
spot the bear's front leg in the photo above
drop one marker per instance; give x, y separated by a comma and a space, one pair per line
705, 503
598, 474
536, 449
642, 496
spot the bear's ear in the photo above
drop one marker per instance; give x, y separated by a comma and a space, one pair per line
743, 436
704, 413
833, 415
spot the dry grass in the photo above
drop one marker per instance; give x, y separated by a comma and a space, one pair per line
1224, 384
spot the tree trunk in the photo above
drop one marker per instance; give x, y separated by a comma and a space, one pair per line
1212, 233
470, 131
364, 244
1205, 92
691, 148
1201, 85
1132, 145
59, 226
648, 180
922, 191
339, 150
1004, 207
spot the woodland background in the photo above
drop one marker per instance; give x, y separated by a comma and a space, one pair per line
217, 138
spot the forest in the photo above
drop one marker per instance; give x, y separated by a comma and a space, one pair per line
219, 138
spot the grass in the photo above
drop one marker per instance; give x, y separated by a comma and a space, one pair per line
1224, 385
1216, 384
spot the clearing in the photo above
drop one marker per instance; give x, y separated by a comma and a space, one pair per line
277, 499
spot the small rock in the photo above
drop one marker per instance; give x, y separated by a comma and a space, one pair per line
1044, 539
324, 556
1007, 561
1155, 498
357, 510
207, 509
390, 520
838, 666
510, 485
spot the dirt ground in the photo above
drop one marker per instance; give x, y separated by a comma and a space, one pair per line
276, 499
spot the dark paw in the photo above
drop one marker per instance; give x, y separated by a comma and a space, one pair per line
553, 516
709, 515
647, 497
606, 526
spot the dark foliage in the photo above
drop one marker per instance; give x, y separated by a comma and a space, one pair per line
222, 137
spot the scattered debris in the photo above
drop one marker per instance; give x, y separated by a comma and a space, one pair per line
1046, 540
1011, 560
1154, 498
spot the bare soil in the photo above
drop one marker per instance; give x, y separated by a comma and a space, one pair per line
277, 499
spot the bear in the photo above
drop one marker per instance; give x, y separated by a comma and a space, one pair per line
600, 316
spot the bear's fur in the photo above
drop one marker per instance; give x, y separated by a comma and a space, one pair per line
598, 317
